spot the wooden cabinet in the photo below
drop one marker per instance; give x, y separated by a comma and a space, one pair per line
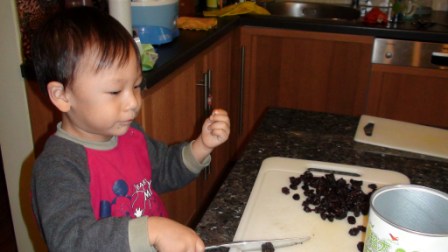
169, 114
315, 71
417, 95
217, 63
174, 110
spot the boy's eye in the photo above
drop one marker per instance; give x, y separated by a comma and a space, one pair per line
139, 86
114, 92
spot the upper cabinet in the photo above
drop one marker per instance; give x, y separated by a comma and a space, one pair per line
315, 71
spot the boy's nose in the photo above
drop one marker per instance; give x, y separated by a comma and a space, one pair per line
133, 102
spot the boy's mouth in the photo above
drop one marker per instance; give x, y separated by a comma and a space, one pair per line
125, 123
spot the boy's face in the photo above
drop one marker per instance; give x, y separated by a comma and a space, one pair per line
104, 103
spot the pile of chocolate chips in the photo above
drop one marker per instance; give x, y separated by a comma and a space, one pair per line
331, 198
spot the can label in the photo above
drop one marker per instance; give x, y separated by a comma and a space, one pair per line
376, 243
385, 235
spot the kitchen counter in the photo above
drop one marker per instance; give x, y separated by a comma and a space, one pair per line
183, 48
437, 31
191, 43
312, 136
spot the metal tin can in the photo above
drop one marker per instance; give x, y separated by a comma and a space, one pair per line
407, 218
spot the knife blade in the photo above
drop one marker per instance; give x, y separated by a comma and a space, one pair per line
251, 245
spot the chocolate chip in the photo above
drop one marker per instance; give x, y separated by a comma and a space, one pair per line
296, 196
353, 231
285, 190
360, 246
351, 220
267, 247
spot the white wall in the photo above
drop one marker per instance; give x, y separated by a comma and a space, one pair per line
15, 131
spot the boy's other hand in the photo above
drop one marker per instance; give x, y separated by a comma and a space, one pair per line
216, 129
169, 236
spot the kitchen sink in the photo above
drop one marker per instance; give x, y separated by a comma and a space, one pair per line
291, 8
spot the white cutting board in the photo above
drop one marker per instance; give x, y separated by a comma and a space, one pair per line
405, 136
270, 214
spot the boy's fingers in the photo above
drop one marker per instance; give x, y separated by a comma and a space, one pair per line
220, 134
219, 118
219, 128
219, 111
200, 247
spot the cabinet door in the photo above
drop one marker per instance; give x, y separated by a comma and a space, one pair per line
409, 94
217, 62
169, 114
315, 71
174, 110
259, 85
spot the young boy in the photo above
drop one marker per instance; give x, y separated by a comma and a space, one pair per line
95, 186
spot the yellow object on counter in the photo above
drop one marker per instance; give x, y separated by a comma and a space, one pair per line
196, 23
237, 9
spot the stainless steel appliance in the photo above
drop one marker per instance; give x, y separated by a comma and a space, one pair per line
410, 53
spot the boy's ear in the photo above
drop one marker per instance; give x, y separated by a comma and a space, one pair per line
56, 92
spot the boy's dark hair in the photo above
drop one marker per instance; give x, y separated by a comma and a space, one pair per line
63, 39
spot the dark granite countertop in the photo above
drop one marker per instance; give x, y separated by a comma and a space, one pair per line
185, 47
434, 29
312, 136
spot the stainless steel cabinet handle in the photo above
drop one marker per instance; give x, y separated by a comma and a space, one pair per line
208, 110
207, 171
206, 84
241, 111
209, 96
208, 100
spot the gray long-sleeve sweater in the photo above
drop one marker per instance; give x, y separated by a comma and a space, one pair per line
61, 195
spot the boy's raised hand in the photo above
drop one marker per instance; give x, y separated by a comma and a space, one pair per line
215, 131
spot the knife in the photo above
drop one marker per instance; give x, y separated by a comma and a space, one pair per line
251, 245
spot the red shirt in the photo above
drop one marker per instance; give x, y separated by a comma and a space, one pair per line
121, 179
